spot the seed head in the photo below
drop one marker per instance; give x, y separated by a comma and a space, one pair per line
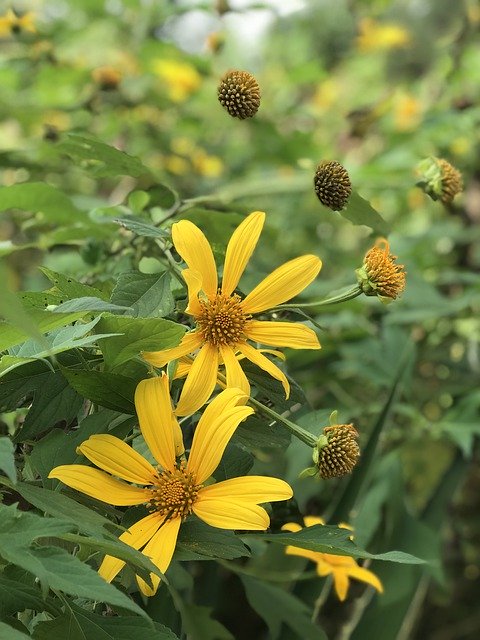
332, 184
380, 275
339, 455
439, 179
239, 93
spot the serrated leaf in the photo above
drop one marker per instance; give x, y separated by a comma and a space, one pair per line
70, 287
360, 211
40, 197
141, 228
16, 596
100, 159
235, 462
148, 295
7, 459
258, 434
110, 390
328, 539
146, 334
11, 335
276, 606
198, 541
90, 304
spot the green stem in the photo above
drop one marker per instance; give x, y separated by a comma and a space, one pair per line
174, 268
298, 432
354, 292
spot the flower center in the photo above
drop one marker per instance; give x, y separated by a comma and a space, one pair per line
175, 493
222, 320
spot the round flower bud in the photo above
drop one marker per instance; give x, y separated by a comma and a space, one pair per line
239, 93
380, 275
439, 179
332, 184
338, 451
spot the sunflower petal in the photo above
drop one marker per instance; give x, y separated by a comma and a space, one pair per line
255, 489
194, 248
210, 440
301, 553
282, 334
99, 485
136, 536
155, 416
160, 551
200, 382
360, 573
291, 526
282, 284
341, 584
115, 456
311, 520
231, 514
235, 374
190, 342
193, 280
240, 248
264, 363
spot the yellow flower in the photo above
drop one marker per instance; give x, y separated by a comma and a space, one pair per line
407, 112
341, 568
11, 23
377, 37
224, 320
207, 165
380, 275
176, 487
181, 78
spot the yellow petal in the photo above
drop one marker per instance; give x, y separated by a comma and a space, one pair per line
235, 375
190, 342
210, 440
282, 334
227, 399
194, 248
160, 551
264, 363
291, 526
115, 456
183, 367
282, 284
323, 568
99, 485
360, 573
155, 416
341, 583
311, 520
255, 489
240, 248
301, 553
228, 514
200, 382
193, 280
136, 536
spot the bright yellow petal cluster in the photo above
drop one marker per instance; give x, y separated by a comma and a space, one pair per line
375, 36
11, 23
175, 487
341, 568
181, 78
224, 321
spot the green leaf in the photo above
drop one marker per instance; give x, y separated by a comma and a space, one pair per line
360, 211
148, 334
110, 390
276, 606
328, 539
141, 228
149, 296
11, 335
17, 596
70, 287
235, 462
80, 624
198, 541
9, 633
7, 459
90, 304
42, 197
198, 623
100, 159
254, 433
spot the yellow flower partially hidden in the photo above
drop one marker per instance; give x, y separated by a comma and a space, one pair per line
10, 23
181, 78
223, 320
176, 487
341, 568
375, 36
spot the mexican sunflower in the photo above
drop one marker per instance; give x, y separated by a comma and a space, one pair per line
341, 568
176, 487
224, 321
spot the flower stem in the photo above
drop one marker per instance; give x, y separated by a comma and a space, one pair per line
298, 432
351, 293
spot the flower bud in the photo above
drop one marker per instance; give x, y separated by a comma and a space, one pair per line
337, 451
239, 93
332, 184
439, 179
379, 275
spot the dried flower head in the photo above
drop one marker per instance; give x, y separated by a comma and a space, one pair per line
338, 451
439, 179
380, 275
239, 93
332, 184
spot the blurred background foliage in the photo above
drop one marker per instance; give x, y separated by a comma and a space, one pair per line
377, 85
